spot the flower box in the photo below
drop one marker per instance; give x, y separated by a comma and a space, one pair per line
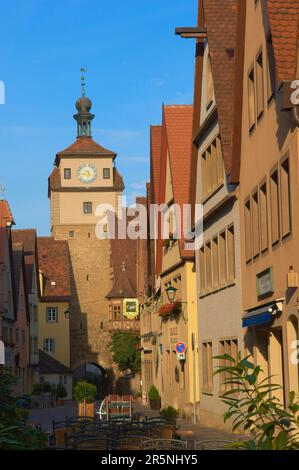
170, 309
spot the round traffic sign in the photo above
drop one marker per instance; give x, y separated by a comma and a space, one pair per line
180, 347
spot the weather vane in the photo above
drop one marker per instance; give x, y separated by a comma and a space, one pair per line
83, 70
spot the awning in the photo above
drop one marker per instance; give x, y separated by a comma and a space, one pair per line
259, 316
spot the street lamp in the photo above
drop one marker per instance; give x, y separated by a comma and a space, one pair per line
67, 313
171, 293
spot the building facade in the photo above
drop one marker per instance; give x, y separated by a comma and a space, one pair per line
214, 187
28, 239
55, 296
173, 321
269, 192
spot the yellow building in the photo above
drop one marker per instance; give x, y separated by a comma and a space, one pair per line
175, 319
53, 309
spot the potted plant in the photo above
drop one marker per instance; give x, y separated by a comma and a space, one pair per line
60, 394
154, 398
84, 394
170, 413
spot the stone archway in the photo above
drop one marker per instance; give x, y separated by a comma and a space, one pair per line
96, 374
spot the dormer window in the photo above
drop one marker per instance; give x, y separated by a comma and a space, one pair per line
106, 173
67, 173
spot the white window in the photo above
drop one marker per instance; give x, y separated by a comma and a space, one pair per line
49, 345
51, 314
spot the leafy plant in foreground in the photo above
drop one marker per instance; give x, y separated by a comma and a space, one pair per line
253, 406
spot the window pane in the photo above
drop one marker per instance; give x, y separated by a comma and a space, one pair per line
222, 258
215, 262
231, 254
208, 266
259, 85
67, 173
106, 173
285, 198
255, 225
275, 216
263, 216
251, 99
248, 247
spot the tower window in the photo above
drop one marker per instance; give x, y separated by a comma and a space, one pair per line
87, 207
67, 173
106, 173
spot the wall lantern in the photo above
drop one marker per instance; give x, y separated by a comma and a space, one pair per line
171, 293
67, 313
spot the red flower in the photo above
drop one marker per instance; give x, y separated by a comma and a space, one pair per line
169, 309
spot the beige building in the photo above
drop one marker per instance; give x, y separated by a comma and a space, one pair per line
269, 192
167, 323
214, 187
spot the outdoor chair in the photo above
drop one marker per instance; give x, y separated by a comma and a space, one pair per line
213, 444
131, 443
83, 442
163, 444
161, 430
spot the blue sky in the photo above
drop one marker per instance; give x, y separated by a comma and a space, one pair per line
134, 63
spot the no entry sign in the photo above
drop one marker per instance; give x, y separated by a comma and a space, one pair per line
180, 347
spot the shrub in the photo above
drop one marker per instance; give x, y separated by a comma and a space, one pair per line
85, 392
170, 412
60, 391
125, 351
43, 387
252, 405
14, 434
153, 393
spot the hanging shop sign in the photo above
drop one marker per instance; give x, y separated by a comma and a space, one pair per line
130, 308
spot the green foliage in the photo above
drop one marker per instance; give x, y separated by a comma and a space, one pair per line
14, 434
153, 393
253, 406
125, 351
22, 414
170, 412
60, 391
43, 387
85, 391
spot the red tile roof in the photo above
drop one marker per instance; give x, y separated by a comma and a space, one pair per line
284, 17
85, 146
176, 142
226, 33
29, 241
5, 214
155, 160
54, 263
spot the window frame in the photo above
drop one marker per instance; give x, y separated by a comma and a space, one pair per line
87, 204
67, 171
50, 310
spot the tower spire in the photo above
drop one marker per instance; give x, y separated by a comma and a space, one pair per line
2, 189
83, 70
83, 116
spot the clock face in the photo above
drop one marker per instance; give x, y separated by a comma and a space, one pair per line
87, 173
